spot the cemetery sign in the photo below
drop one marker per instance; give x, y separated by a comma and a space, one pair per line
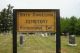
36, 20
29, 21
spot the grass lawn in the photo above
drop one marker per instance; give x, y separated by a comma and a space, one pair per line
37, 44
5, 43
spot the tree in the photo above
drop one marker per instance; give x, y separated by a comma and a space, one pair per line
6, 19
0, 22
64, 24
9, 17
3, 20
72, 25
78, 27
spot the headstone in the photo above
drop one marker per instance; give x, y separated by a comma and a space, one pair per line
21, 39
43, 35
72, 41
4, 33
46, 34
55, 36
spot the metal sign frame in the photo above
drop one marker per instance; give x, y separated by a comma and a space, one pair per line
58, 39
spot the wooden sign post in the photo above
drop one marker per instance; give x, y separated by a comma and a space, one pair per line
36, 20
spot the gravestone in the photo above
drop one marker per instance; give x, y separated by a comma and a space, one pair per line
21, 39
55, 36
72, 41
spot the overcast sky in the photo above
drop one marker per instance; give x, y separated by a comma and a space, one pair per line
67, 8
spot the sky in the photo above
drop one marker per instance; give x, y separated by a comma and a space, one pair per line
67, 8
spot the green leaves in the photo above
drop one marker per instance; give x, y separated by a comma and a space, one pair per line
6, 19
70, 25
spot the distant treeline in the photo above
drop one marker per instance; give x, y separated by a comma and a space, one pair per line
69, 25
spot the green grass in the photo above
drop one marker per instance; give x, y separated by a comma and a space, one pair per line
5, 43
37, 44
69, 49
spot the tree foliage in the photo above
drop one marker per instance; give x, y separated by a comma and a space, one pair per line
70, 25
6, 19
